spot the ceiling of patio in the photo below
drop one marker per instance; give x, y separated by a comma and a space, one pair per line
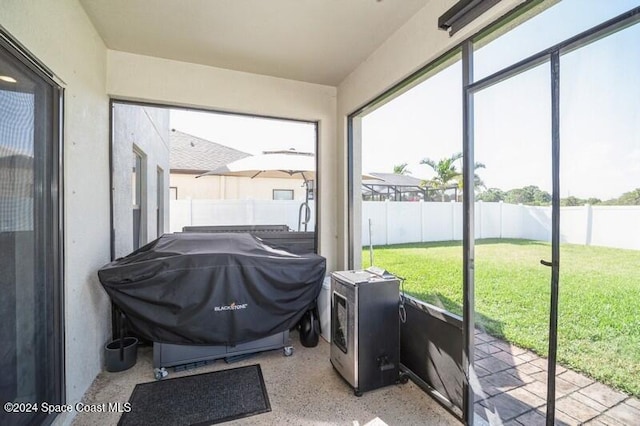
318, 41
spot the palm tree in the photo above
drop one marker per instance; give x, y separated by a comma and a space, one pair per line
446, 172
477, 181
447, 176
401, 169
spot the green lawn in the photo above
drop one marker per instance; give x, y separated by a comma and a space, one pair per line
599, 305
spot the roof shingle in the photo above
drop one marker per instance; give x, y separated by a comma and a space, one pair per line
196, 155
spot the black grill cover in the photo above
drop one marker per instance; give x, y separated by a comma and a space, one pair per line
213, 289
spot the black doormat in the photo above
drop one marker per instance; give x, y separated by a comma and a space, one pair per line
203, 399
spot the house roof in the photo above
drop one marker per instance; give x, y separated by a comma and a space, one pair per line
392, 179
392, 185
191, 154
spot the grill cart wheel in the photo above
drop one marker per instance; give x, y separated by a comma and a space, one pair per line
160, 373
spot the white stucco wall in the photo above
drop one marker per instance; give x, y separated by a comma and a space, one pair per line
232, 187
147, 129
414, 45
60, 34
144, 78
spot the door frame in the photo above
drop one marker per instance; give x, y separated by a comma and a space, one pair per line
552, 57
49, 239
470, 89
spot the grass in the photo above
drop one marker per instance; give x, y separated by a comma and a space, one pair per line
599, 301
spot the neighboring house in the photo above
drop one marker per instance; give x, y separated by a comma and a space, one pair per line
392, 186
140, 164
192, 156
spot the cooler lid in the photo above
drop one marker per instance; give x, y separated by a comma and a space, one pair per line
364, 276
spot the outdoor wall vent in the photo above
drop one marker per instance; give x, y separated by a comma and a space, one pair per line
462, 13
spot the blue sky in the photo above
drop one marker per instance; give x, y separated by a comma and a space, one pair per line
600, 110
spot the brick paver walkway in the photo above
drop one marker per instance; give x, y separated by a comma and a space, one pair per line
512, 391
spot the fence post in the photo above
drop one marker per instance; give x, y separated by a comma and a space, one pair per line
421, 220
589, 233
479, 216
453, 220
386, 222
521, 225
501, 217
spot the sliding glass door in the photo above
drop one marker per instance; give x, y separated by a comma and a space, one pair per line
30, 283
512, 136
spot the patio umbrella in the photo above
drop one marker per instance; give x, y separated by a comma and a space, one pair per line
275, 164
271, 164
287, 164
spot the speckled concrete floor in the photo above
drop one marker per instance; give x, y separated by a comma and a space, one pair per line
303, 390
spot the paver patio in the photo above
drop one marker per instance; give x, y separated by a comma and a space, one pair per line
513, 391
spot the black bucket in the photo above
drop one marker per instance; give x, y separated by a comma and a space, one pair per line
121, 354
309, 329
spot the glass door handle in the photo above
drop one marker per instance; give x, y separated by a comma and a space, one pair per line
545, 263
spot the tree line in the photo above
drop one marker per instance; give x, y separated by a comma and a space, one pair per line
448, 176
533, 196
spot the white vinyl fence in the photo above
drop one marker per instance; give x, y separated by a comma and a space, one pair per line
411, 222
237, 212
404, 222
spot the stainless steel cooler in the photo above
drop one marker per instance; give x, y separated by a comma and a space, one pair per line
365, 328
